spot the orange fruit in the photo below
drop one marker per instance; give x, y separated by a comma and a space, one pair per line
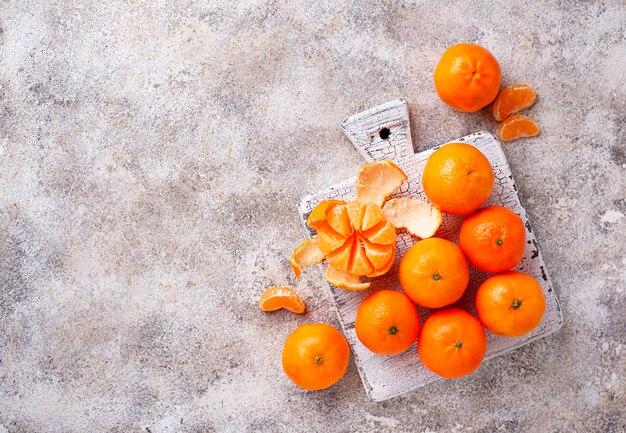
434, 273
467, 77
377, 180
276, 298
510, 303
457, 178
356, 239
318, 214
517, 126
513, 99
493, 239
343, 280
451, 343
315, 356
387, 322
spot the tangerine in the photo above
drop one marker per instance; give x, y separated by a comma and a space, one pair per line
467, 77
315, 356
387, 322
493, 239
457, 178
434, 273
451, 343
510, 303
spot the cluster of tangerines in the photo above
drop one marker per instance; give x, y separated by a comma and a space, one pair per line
358, 241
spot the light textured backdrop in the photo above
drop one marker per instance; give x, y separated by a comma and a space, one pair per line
152, 154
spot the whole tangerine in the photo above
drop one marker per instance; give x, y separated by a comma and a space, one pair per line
493, 239
315, 356
434, 273
467, 77
387, 322
457, 178
510, 303
451, 343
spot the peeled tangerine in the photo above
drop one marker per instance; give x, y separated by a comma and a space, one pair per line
358, 239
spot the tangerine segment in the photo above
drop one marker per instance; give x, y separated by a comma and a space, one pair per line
318, 214
378, 255
513, 99
378, 180
360, 263
416, 216
328, 239
341, 258
373, 215
337, 218
383, 233
344, 280
356, 212
307, 254
517, 126
386, 268
276, 298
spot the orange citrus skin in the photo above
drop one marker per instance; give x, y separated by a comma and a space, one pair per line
315, 356
513, 99
510, 303
451, 343
387, 322
434, 273
457, 178
493, 239
467, 77
517, 126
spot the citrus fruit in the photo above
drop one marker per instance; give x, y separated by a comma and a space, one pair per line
318, 214
451, 343
510, 303
377, 180
457, 178
416, 216
387, 322
434, 273
517, 126
493, 239
356, 239
344, 280
315, 356
276, 298
467, 77
513, 99
307, 254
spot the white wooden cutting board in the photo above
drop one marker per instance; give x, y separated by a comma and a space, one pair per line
385, 377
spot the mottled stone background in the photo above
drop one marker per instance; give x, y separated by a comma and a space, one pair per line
151, 157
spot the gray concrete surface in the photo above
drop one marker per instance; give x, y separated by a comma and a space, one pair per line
151, 157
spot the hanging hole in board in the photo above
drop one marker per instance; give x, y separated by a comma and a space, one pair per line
384, 133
